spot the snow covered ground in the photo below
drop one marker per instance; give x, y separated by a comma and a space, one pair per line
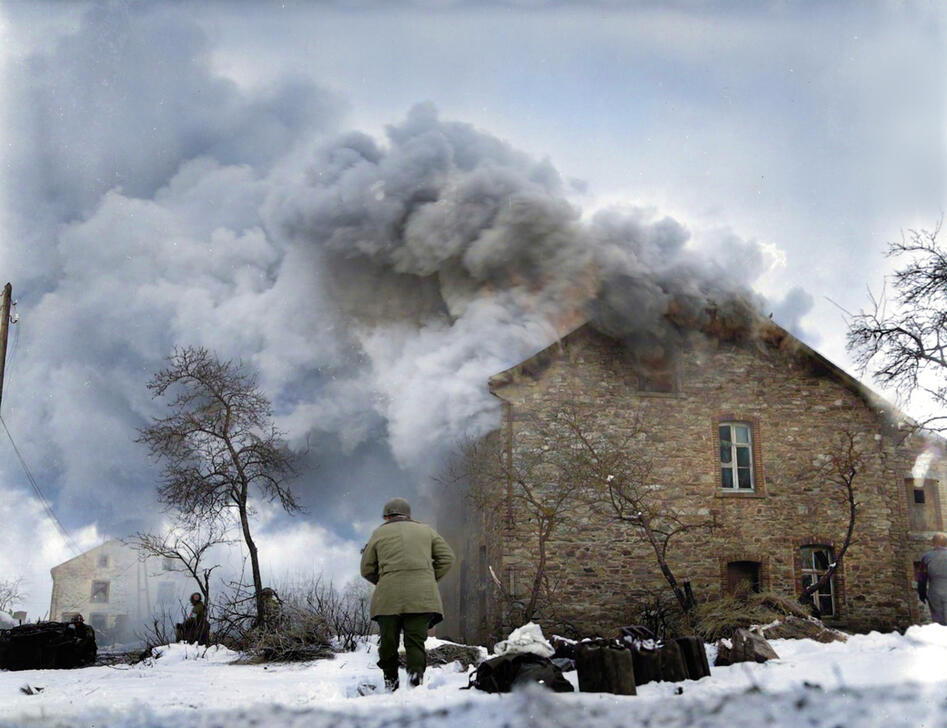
872, 680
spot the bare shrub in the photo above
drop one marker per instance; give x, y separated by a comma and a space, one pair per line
159, 631
659, 611
311, 620
345, 612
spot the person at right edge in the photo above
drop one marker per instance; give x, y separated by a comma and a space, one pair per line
932, 579
404, 559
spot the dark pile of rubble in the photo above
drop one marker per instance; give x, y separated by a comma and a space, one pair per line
46, 646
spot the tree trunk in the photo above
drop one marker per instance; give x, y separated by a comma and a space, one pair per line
665, 569
538, 580
254, 558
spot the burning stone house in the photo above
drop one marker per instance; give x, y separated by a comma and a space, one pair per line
731, 426
116, 591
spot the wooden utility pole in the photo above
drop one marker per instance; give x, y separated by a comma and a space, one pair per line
4, 330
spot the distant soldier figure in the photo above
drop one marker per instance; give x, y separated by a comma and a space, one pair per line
85, 634
405, 560
196, 627
272, 608
932, 579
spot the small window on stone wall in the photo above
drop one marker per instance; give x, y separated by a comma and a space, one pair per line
924, 505
657, 374
736, 456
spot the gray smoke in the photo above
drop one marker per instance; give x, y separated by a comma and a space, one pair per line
375, 284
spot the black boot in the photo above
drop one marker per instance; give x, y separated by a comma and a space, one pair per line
391, 684
416, 678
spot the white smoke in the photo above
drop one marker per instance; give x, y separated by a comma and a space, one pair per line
374, 284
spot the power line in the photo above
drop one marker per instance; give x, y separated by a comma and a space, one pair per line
39, 493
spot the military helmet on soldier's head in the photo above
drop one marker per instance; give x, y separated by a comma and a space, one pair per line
77, 619
397, 507
195, 597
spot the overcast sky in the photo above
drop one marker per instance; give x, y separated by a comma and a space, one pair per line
174, 174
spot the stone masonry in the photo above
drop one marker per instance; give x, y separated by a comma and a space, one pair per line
795, 403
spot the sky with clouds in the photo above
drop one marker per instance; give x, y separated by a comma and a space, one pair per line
378, 205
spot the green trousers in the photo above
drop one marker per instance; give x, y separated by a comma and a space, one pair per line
390, 627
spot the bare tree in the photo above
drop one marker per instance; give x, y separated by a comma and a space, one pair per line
188, 545
839, 468
620, 477
903, 342
537, 486
219, 445
571, 461
11, 594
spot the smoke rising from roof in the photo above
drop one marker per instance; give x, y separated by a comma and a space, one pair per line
374, 284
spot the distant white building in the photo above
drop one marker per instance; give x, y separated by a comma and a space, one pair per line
117, 592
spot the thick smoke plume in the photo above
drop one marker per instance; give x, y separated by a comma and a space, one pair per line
375, 284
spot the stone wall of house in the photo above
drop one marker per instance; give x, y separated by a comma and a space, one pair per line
599, 569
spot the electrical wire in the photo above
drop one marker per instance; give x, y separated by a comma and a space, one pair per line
39, 493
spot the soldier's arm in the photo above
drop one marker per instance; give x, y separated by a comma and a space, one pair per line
370, 563
441, 555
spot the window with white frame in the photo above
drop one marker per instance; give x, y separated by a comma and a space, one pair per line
816, 560
736, 456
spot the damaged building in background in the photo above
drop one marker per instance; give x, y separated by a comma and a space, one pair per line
118, 592
730, 431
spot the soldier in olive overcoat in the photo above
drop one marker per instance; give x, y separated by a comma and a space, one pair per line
405, 559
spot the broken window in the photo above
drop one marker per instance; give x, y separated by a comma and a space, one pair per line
816, 560
100, 591
736, 456
103, 561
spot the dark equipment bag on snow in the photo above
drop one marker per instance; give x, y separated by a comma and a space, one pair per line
695, 657
506, 672
47, 645
655, 660
605, 667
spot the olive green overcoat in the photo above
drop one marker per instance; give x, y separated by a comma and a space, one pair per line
405, 559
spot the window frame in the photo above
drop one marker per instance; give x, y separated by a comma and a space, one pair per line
811, 570
734, 465
93, 590
102, 561
924, 516
730, 566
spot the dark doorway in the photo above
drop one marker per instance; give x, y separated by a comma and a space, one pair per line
743, 577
